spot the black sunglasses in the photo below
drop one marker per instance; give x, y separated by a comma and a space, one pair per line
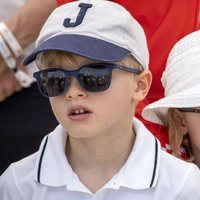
93, 78
194, 110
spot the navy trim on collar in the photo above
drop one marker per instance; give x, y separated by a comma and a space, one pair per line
155, 162
40, 160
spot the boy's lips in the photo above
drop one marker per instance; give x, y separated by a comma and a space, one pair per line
78, 112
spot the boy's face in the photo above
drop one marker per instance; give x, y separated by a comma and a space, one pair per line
86, 114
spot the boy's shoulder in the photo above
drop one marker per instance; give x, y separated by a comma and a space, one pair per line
18, 178
169, 173
22, 179
172, 167
179, 177
31, 166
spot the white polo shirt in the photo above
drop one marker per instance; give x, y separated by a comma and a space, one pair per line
149, 173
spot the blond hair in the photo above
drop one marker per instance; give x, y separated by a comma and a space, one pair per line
177, 140
56, 58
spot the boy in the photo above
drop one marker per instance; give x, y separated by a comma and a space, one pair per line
93, 62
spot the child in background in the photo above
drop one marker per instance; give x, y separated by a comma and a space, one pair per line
179, 110
93, 60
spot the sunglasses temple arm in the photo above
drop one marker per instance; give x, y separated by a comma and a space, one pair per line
128, 69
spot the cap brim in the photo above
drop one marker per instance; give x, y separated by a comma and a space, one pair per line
156, 112
82, 45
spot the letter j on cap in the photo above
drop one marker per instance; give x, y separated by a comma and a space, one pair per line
84, 7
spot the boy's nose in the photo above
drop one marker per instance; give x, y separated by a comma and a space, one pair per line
75, 90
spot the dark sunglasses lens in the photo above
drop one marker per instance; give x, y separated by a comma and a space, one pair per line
52, 82
95, 78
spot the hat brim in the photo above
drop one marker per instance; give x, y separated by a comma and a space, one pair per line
86, 46
156, 112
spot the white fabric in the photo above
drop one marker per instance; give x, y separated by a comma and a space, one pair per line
181, 79
174, 179
8, 8
125, 31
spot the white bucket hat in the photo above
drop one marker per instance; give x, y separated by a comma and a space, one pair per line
99, 30
181, 79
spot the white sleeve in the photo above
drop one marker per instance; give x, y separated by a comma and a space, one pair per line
8, 186
191, 186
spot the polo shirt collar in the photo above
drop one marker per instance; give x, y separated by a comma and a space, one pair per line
52, 167
141, 169
139, 172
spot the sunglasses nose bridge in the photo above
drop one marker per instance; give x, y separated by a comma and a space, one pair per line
74, 88
69, 77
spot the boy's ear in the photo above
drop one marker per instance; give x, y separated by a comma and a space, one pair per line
143, 84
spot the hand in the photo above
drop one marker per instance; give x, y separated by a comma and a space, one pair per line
8, 84
2, 64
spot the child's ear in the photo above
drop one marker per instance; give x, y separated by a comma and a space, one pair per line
143, 83
183, 127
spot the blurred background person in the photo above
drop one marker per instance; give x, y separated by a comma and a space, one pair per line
25, 116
